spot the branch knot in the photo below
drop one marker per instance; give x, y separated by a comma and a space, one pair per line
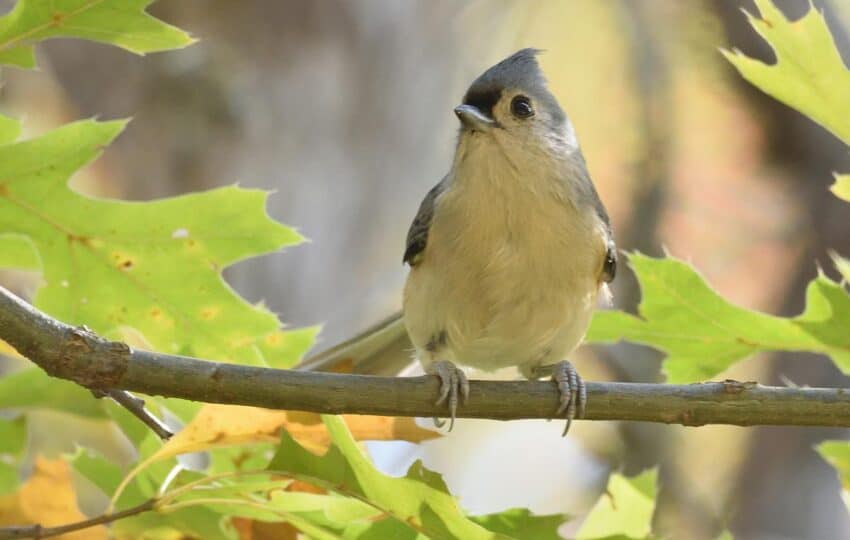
89, 360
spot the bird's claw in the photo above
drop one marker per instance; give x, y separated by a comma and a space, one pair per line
573, 393
454, 388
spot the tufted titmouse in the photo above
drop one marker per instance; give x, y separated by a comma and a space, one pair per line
508, 252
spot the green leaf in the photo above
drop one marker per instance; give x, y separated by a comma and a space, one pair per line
18, 251
249, 485
283, 349
809, 74
13, 436
242, 458
381, 530
837, 454
841, 187
624, 510
521, 523
201, 521
123, 23
22, 57
330, 511
103, 474
154, 266
318, 515
13, 442
419, 499
32, 388
9, 479
10, 129
336, 516
703, 334
192, 522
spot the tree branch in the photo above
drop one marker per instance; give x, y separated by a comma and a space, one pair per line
79, 355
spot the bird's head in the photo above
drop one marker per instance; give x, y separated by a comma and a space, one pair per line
511, 102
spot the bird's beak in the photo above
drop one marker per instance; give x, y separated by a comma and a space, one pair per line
472, 118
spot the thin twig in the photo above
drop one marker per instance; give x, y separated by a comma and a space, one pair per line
39, 531
162, 503
136, 406
79, 355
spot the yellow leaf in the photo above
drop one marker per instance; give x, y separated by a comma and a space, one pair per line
228, 425
231, 425
48, 499
8, 350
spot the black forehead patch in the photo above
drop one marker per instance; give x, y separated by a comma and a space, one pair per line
483, 99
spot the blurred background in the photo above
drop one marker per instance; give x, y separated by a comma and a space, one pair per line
344, 109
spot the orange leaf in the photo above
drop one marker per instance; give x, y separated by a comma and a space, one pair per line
48, 499
232, 425
228, 425
259, 530
304, 487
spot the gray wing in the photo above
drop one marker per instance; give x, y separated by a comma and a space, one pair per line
417, 235
609, 267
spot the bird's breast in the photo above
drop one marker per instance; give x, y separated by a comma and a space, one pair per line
509, 274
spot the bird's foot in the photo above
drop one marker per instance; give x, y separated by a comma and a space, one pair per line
573, 393
454, 388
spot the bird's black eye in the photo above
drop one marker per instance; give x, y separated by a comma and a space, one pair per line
521, 107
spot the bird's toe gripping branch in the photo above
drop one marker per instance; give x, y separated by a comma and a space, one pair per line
454, 388
571, 389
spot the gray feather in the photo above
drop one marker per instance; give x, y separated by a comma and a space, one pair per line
588, 190
417, 235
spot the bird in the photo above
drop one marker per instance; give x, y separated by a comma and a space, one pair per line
508, 254
510, 251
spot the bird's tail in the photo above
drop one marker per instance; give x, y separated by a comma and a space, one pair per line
383, 349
